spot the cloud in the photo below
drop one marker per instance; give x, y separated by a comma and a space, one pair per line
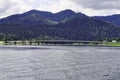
4, 7
89, 7
98, 4
9, 7
58, 5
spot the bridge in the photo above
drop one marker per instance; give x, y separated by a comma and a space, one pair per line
53, 42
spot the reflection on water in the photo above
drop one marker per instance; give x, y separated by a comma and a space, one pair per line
59, 63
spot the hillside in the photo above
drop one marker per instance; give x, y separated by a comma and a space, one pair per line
62, 25
114, 19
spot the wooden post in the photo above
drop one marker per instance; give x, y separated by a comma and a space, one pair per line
15, 43
30, 43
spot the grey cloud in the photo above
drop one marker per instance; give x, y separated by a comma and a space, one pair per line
98, 4
9, 7
5, 5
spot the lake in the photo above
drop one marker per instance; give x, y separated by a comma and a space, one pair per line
59, 63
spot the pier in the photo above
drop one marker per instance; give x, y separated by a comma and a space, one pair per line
53, 42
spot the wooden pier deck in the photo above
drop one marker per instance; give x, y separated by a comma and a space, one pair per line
53, 42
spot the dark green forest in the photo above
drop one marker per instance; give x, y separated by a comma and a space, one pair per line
65, 25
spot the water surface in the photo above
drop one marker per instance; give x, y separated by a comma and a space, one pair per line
59, 63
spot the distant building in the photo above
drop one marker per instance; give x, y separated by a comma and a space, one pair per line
114, 41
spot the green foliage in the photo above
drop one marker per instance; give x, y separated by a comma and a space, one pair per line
7, 37
66, 25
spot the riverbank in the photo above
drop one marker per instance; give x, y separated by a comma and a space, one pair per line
109, 44
113, 44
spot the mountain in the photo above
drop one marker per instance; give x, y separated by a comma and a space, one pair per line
32, 17
89, 29
66, 24
35, 17
114, 19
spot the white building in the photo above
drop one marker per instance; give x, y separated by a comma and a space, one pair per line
114, 41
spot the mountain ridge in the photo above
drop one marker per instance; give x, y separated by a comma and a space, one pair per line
65, 24
114, 19
55, 17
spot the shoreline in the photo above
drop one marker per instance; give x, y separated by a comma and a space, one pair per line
85, 43
61, 45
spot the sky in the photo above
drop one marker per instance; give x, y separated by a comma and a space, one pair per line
88, 7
